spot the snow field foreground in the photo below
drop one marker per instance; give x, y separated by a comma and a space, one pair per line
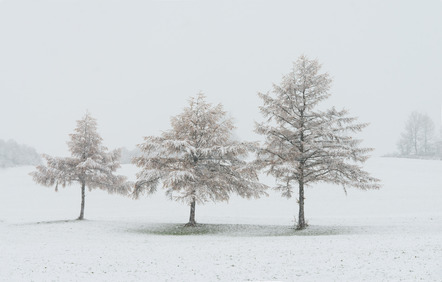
390, 234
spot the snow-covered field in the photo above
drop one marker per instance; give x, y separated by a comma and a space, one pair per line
390, 234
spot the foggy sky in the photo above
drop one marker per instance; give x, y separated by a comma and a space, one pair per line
133, 64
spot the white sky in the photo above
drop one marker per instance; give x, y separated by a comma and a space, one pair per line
133, 64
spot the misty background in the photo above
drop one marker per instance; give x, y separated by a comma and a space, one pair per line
134, 64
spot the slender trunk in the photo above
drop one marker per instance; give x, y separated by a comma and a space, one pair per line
83, 188
192, 221
301, 218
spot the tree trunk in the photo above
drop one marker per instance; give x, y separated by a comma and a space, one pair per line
192, 221
301, 220
83, 188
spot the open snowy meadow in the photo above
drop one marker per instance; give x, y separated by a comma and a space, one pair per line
391, 234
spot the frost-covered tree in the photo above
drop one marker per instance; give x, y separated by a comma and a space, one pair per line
90, 165
197, 161
14, 154
417, 138
305, 145
427, 135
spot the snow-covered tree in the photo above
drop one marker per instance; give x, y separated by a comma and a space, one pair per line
90, 165
14, 154
417, 138
197, 160
427, 135
305, 145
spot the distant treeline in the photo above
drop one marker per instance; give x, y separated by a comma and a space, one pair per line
420, 139
14, 154
127, 155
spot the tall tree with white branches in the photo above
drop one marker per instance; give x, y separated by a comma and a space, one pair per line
91, 165
197, 160
305, 145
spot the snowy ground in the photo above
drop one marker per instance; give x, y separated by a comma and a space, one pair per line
391, 234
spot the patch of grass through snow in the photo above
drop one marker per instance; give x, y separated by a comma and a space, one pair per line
242, 230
